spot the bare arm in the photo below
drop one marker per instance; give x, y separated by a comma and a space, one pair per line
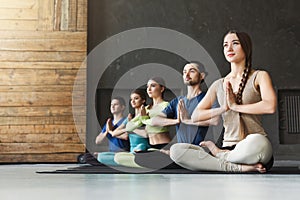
268, 103
162, 120
123, 136
101, 137
119, 132
210, 122
186, 119
141, 132
204, 110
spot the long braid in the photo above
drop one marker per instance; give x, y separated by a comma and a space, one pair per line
246, 44
242, 85
245, 76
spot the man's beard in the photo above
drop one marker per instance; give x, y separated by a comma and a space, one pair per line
191, 83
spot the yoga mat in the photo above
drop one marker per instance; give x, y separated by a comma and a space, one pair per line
102, 169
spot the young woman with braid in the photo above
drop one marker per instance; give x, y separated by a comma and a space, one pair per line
244, 94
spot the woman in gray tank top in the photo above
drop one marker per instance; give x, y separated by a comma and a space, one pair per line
244, 95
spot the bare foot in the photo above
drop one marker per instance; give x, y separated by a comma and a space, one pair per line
211, 146
253, 168
165, 151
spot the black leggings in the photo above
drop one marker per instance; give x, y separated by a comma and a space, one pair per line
160, 146
155, 159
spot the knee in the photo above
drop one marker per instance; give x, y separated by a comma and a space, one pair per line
176, 152
120, 157
261, 143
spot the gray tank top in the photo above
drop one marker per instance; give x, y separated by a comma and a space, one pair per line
234, 122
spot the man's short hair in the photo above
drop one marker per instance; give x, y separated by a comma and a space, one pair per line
199, 65
121, 100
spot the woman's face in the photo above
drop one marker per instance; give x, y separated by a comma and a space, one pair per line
136, 100
232, 48
154, 90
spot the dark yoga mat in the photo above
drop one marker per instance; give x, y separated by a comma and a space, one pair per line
102, 169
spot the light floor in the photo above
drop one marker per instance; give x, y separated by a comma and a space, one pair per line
21, 182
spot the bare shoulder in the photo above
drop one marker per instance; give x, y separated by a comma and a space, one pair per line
263, 78
262, 75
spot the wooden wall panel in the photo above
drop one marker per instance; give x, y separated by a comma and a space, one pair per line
81, 15
41, 53
19, 15
45, 15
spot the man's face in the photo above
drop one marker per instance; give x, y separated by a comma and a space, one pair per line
191, 75
116, 107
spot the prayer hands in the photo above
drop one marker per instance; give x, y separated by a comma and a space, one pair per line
109, 125
230, 97
129, 116
143, 111
182, 112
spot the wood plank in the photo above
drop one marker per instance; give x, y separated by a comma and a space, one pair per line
40, 111
35, 99
22, 148
41, 138
64, 15
15, 56
38, 77
39, 129
57, 120
17, 25
82, 15
39, 158
42, 35
18, 14
46, 15
42, 45
72, 15
39, 99
58, 13
43, 65
38, 88
18, 3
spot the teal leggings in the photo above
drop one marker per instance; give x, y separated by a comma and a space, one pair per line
107, 158
138, 143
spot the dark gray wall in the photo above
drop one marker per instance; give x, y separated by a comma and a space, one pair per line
273, 25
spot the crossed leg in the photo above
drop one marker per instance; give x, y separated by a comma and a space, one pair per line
212, 147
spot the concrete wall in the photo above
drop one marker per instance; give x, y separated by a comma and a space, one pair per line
273, 25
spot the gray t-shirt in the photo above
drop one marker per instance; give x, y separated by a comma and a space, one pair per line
187, 133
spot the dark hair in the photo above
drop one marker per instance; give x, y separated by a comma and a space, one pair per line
141, 93
161, 82
200, 67
246, 44
121, 100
